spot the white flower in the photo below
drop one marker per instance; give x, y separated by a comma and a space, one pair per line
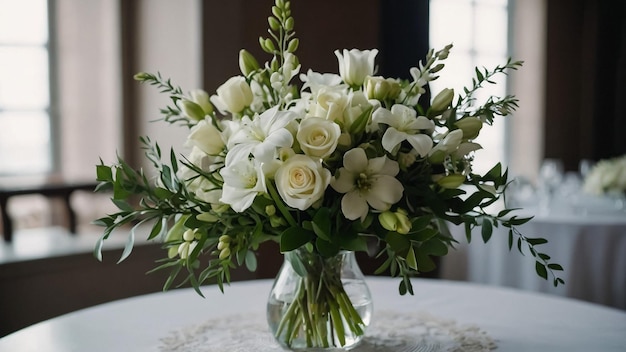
329, 103
449, 143
318, 137
205, 136
366, 182
261, 136
301, 181
607, 176
404, 126
355, 65
233, 96
243, 180
314, 80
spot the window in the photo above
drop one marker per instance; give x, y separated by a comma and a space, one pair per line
479, 31
25, 124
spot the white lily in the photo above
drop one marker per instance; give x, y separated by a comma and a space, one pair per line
243, 180
261, 136
366, 183
404, 125
355, 65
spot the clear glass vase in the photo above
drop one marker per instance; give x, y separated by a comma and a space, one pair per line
319, 304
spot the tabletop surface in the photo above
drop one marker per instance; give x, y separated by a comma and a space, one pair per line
516, 320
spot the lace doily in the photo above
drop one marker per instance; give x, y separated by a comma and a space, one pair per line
389, 332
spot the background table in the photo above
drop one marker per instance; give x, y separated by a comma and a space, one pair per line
518, 321
591, 247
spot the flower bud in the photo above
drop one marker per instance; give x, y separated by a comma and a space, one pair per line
141, 76
451, 181
247, 62
403, 222
224, 238
192, 110
381, 88
388, 220
470, 126
224, 253
222, 245
270, 210
437, 157
189, 235
442, 100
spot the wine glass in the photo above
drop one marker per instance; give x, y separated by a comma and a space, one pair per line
550, 178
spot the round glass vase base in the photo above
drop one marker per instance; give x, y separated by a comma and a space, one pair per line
319, 304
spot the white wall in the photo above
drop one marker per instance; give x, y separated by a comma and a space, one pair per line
528, 84
170, 43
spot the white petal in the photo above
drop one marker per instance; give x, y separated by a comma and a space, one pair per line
421, 123
354, 206
421, 143
386, 189
392, 138
345, 183
355, 160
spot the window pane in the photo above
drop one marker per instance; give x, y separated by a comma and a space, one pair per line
24, 142
23, 78
23, 22
491, 29
451, 22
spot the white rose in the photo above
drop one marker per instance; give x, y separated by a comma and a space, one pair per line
301, 181
233, 96
318, 137
329, 103
355, 65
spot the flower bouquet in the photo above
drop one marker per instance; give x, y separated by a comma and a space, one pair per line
608, 176
333, 164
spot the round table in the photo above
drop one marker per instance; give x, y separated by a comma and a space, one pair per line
590, 247
516, 320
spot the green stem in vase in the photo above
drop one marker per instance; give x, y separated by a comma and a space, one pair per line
321, 309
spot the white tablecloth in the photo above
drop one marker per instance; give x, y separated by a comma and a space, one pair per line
516, 320
590, 247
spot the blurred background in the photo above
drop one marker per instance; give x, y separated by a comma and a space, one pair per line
67, 97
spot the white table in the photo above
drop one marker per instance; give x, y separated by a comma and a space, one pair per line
591, 247
517, 320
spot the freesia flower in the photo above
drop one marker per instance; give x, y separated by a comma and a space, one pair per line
243, 181
404, 125
355, 65
366, 183
261, 136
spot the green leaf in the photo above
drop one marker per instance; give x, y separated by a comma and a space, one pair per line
325, 248
251, 261
157, 229
398, 243
554, 266
294, 237
296, 264
104, 173
321, 223
411, 260
486, 230
128, 247
541, 270
536, 241
424, 262
356, 243
434, 247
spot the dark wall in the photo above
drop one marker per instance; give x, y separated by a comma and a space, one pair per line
586, 80
399, 29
